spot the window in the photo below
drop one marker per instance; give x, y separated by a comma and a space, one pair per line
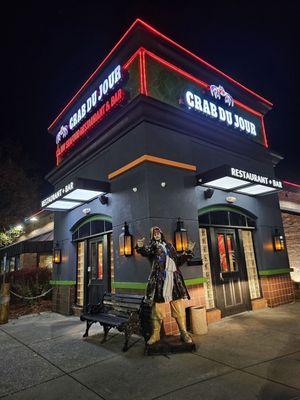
226, 218
91, 228
100, 260
227, 252
45, 261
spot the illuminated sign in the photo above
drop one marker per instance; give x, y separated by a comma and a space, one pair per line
58, 194
229, 178
218, 91
115, 100
206, 107
105, 88
251, 177
74, 194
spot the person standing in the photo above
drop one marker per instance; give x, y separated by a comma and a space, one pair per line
165, 282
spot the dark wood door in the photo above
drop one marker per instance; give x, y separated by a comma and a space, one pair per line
98, 271
229, 271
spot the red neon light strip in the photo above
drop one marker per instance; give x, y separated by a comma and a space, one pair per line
264, 131
94, 73
196, 80
292, 184
176, 69
131, 59
151, 29
144, 72
142, 88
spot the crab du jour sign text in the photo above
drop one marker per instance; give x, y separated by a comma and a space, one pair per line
223, 114
93, 109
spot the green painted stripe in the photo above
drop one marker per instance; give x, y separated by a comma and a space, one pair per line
276, 271
143, 285
63, 283
195, 281
129, 285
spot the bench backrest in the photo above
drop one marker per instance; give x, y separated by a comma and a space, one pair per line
122, 303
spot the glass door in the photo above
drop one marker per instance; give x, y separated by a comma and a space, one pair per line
229, 271
98, 271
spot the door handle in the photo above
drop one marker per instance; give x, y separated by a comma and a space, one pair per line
221, 277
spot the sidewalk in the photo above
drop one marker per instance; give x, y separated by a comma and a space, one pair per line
254, 355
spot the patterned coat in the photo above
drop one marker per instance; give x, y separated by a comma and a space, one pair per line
156, 253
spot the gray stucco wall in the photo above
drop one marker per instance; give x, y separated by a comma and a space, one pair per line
154, 205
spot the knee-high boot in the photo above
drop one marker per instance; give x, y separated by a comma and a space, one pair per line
155, 337
182, 328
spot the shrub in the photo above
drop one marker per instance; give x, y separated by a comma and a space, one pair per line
30, 283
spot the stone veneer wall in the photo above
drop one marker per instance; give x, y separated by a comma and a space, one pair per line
277, 289
63, 299
291, 224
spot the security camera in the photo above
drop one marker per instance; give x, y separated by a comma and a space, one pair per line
208, 193
103, 199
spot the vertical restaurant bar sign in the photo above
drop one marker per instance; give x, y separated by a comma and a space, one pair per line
95, 107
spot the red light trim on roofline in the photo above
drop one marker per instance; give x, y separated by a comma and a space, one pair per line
292, 184
142, 89
264, 131
196, 80
131, 59
144, 72
95, 72
150, 28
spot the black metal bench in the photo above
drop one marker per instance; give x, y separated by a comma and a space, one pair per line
127, 313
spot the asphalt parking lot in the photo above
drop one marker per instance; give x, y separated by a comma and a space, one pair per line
253, 355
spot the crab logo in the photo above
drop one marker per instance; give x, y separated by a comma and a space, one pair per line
63, 132
218, 91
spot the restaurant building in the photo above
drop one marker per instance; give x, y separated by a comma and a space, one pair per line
159, 137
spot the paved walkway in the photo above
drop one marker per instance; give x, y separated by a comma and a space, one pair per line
254, 355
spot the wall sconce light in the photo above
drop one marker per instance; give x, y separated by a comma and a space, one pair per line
278, 241
181, 237
57, 254
125, 242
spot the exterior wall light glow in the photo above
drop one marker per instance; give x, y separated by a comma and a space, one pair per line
19, 227
33, 219
278, 241
57, 254
163, 184
180, 237
135, 189
125, 242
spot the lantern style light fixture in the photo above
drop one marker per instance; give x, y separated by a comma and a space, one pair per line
57, 254
278, 241
181, 237
125, 242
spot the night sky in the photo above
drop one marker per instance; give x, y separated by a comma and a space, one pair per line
51, 48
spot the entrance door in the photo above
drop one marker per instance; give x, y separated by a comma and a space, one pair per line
98, 271
229, 271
